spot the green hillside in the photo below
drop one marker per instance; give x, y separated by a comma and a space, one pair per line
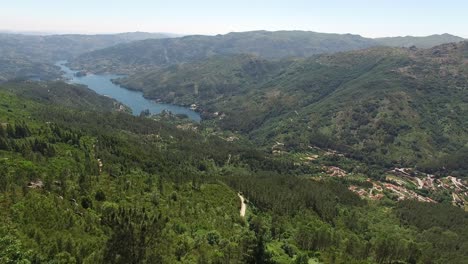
24, 68
32, 56
344, 151
278, 44
401, 107
62, 94
215, 78
81, 186
392, 106
149, 54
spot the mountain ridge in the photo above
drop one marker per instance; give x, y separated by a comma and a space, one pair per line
421, 42
143, 55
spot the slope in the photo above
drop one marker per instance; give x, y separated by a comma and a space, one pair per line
155, 53
83, 186
399, 106
214, 78
393, 106
62, 94
149, 54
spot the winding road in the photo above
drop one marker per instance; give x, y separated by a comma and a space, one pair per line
243, 205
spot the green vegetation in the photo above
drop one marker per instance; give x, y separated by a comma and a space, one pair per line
23, 68
82, 186
308, 142
213, 79
62, 94
384, 106
147, 54
32, 57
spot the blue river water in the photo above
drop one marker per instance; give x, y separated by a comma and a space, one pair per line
103, 85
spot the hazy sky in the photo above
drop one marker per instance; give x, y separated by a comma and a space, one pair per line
371, 18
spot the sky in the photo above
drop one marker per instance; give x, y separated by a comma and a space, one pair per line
369, 18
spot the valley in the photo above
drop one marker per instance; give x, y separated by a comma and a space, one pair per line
248, 147
372, 104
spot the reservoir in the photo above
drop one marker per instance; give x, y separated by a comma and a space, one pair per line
103, 85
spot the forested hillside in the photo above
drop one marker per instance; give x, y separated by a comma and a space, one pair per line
345, 151
390, 106
155, 53
62, 94
82, 186
149, 54
205, 80
33, 56
24, 68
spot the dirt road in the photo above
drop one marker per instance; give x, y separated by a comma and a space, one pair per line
243, 205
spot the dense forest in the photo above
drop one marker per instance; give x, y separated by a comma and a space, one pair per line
314, 148
136, 56
82, 185
386, 106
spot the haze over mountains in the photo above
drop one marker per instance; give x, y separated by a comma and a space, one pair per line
420, 42
266, 44
33, 56
58, 47
33, 51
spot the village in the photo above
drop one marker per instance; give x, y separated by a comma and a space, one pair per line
397, 184
406, 183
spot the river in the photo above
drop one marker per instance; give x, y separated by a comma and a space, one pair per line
103, 85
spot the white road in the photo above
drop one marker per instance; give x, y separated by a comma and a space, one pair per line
420, 183
243, 205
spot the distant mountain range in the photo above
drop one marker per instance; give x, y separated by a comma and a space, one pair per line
55, 47
141, 51
55, 33
33, 56
271, 45
420, 42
